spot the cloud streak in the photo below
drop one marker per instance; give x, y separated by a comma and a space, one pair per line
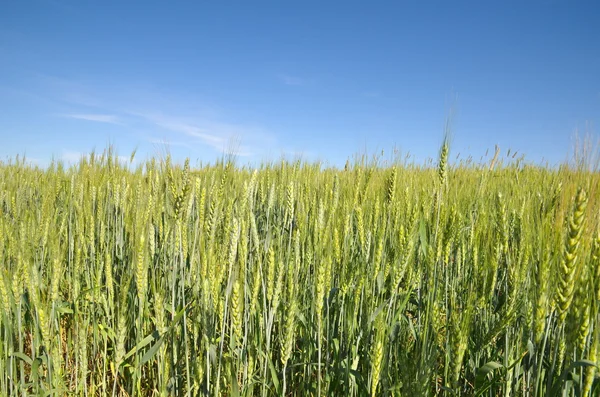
185, 121
372, 94
166, 142
73, 157
291, 80
221, 137
98, 118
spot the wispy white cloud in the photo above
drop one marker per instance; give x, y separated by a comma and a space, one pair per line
166, 142
221, 137
71, 157
179, 119
34, 160
69, 91
99, 118
161, 141
372, 94
291, 80
74, 157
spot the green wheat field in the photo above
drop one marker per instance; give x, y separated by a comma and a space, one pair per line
292, 278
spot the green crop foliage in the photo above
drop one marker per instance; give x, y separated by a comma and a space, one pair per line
292, 278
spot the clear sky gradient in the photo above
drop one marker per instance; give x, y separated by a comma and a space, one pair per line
324, 80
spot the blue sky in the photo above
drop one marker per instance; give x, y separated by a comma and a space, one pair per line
324, 80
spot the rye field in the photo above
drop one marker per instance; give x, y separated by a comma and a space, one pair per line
295, 279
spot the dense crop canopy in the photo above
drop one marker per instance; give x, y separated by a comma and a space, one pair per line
295, 279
